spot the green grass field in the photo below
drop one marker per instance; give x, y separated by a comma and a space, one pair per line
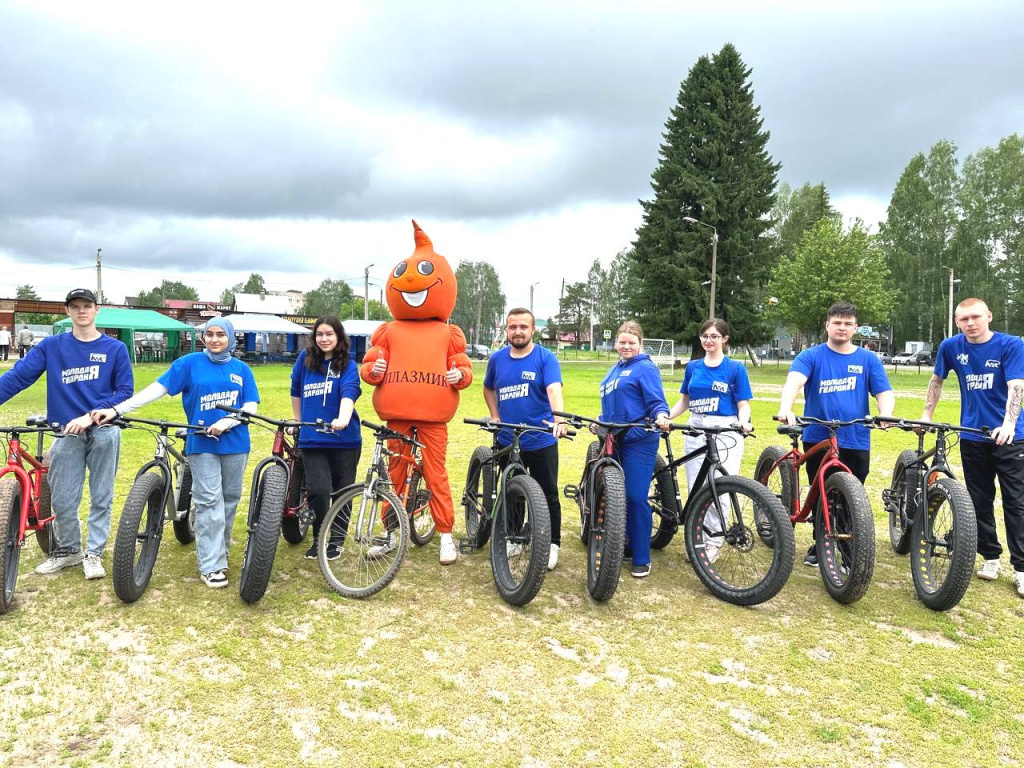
437, 670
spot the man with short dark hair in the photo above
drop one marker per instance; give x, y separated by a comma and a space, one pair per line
837, 378
990, 368
85, 371
523, 385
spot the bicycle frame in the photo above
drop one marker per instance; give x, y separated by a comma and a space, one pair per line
413, 461
830, 447
712, 460
160, 462
31, 482
514, 466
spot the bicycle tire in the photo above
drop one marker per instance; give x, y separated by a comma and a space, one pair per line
593, 451
942, 568
10, 522
743, 569
139, 531
606, 540
846, 568
664, 506
264, 528
184, 528
901, 536
776, 474
295, 526
520, 543
478, 496
421, 521
355, 574
46, 537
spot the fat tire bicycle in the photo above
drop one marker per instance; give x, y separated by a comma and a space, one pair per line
738, 537
836, 502
944, 539
161, 491
24, 501
367, 516
502, 502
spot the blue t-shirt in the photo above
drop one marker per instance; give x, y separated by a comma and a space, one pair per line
322, 392
983, 370
837, 387
715, 391
522, 388
632, 391
81, 376
203, 384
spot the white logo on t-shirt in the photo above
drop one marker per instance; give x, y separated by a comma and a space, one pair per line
855, 369
991, 363
235, 379
963, 358
719, 386
97, 357
530, 375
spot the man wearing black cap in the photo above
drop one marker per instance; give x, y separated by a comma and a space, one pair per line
85, 371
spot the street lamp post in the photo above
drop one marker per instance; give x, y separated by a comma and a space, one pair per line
714, 260
366, 292
531, 296
949, 324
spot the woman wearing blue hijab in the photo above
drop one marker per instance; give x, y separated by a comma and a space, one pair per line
217, 458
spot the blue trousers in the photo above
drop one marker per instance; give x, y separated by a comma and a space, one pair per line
97, 449
637, 458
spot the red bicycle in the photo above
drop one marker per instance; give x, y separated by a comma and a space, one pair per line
24, 501
845, 529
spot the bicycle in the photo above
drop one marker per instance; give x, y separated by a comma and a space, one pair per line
415, 496
945, 539
380, 524
845, 529
510, 504
729, 522
161, 491
24, 502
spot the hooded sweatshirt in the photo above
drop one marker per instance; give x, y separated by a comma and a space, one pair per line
632, 391
322, 392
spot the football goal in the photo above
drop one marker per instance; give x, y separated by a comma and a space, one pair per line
663, 354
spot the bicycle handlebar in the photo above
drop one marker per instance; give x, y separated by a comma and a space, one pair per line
494, 426
692, 430
387, 433
832, 424
578, 421
319, 424
128, 421
930, 426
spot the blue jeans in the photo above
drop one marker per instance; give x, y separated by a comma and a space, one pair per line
97, 449
637, 458
216, 489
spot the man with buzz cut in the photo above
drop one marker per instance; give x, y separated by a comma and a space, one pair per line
85, 371
990, 368
523, 385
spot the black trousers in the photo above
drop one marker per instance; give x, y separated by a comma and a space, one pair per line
859, 462
983, 463
5, 350
328, 470
542, 466
22, 351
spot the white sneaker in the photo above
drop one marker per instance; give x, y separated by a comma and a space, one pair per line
512, 549
553, 557
59, 559
93, 567
449, 552
1018, 582
989, 570
215, 580
386, 547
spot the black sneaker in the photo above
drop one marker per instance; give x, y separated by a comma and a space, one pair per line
811, 558
311, 553
334, 551
640, 571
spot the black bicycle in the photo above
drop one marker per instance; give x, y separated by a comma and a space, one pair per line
501, 498
162, 491
738, 537
945, 538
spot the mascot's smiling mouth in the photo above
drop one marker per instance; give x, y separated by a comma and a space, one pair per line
418, 298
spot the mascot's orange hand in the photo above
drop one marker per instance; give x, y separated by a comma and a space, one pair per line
380, 367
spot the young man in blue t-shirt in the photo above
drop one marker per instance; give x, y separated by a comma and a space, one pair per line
523, 385
990, 367
85, 371
837, 378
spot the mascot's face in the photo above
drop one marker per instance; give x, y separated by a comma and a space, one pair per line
422, 287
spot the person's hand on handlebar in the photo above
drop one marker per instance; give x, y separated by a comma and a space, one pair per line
787, 417
662, 422
338, 425
221, 426
79, 425
558, 428
747, 427
102, 416
1003, 434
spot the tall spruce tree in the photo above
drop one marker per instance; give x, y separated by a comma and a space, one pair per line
714, 167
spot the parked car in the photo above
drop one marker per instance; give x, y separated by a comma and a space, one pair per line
921, 357
883, 358
478, 351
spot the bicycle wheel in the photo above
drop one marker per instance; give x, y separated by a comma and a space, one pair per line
359, 522
184, 524
294, 527
521, 541
138, 537
263, 529
728, 552
778, 477
421, 522
46, 537
10, 522
847, 555
606, 537
664, 506
895, 500
943, 558
593, 451
478, 497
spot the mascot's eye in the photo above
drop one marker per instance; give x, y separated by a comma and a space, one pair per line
425, 268
400, 269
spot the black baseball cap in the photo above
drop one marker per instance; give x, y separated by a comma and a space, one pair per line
80, 293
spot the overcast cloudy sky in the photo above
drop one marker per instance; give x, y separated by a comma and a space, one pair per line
203, 141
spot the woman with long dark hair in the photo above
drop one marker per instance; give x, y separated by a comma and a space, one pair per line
325, 385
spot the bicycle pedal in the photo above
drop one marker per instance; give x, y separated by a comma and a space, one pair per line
571, 492
466, 547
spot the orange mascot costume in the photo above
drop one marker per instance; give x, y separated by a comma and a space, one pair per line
417, 365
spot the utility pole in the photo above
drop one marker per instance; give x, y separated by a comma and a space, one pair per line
99, 276
949, 324
531, 296
479, 310
366, 292
714, 271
